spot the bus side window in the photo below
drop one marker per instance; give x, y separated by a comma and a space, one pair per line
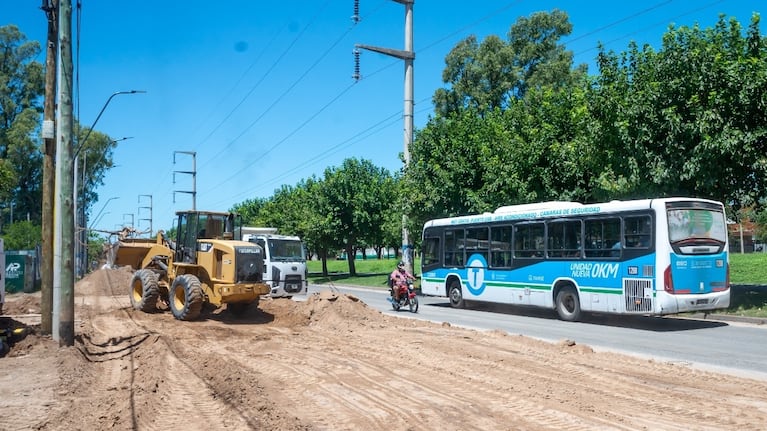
529, 240
477, 242
638, 231
454, 245
430, 251
602, 235
500, 246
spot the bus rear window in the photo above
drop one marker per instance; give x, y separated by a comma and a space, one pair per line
696, 223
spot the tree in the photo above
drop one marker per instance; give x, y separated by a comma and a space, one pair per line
21, 86
249, 210
21, 235
688, 119
96, 157
489, 75
356, 200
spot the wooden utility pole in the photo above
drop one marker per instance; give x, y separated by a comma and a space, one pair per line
65, 222
49, 141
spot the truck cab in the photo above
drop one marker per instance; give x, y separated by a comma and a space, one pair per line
285, 268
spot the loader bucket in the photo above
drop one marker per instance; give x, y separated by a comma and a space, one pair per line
133, 252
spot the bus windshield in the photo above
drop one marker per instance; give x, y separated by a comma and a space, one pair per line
696, 224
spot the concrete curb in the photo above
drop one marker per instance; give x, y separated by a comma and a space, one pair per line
730, 318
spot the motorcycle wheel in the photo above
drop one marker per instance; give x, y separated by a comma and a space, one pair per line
414, 304
395, 304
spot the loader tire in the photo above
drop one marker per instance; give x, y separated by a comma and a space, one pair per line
144, 291
185, 297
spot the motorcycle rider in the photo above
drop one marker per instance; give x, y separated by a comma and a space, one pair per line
398, 278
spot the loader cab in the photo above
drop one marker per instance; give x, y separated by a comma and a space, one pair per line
195, 225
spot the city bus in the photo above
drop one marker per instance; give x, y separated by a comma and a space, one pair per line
638, 257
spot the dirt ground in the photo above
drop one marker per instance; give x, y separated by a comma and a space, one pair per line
333, 363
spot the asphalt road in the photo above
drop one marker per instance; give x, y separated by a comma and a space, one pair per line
738, 348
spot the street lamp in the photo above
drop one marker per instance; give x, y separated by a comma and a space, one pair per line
95, 222
102, 209
81, 145
80, 245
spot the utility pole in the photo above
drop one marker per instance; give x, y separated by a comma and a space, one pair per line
50, 7
193, 173
408, 55
64, 221
150, 212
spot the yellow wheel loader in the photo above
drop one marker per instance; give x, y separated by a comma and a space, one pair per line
207, 263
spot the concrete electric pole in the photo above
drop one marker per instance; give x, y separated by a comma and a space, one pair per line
408, 55
64, 222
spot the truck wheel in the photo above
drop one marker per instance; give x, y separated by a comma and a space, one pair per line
568, 304
185, 297
144, 291
456, 295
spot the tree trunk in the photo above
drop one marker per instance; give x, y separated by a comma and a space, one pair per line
323, 254
350, 254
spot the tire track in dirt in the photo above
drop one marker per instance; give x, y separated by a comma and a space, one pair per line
332, 363
165, 391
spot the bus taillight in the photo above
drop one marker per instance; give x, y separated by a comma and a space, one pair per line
668, 283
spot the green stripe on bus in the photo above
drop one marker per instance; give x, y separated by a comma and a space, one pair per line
617, 291
541, 287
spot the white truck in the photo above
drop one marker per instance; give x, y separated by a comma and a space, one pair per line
284, 261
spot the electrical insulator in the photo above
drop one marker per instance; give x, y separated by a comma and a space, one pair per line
356, 16
356, 74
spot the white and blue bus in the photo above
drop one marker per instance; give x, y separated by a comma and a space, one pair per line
641, 257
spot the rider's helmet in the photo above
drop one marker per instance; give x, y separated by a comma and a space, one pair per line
401, 265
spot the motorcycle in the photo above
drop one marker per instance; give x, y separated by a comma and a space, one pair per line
407, 297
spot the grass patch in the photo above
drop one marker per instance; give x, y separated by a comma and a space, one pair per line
748, 268
370, 272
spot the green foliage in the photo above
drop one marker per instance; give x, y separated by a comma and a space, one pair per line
95, 160
249, 210
22, 235
356, 197
21, 85
7, 179
688, 119
95, 248
488, 75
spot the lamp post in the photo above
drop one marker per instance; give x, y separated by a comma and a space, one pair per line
80, 213
97, 220
102, 208
82, 144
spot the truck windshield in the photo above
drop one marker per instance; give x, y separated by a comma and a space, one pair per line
286, 250
698, 225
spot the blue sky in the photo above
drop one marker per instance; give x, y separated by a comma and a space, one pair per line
263, 93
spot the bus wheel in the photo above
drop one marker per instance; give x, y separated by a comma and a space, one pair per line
568, 304
455, 295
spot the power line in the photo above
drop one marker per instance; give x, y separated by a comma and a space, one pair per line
624, 19
301, 126
659, 23
282, 96
326, 153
